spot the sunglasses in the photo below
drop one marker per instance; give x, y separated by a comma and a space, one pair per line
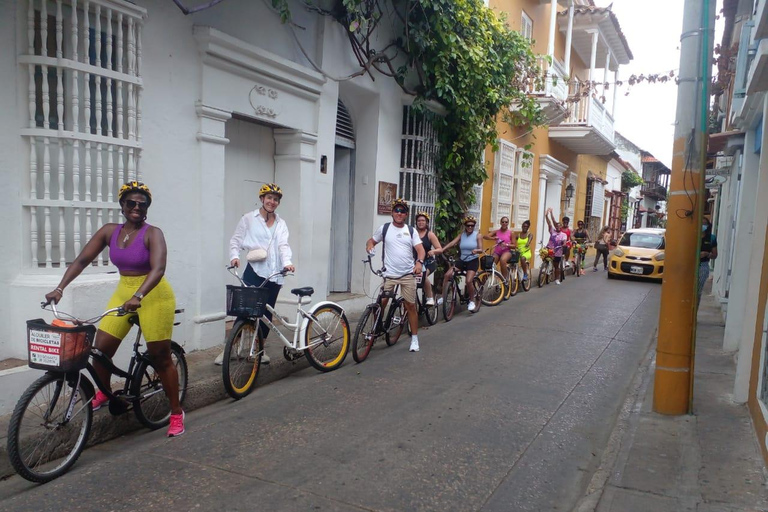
469, 225
131, 204
400, 210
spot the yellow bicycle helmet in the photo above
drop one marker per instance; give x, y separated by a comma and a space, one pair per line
134, 186
469, 218
271, 188
400, 202
423, 214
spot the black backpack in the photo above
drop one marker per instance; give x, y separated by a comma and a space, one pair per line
384, 238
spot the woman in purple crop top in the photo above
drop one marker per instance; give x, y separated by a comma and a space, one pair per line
139, 252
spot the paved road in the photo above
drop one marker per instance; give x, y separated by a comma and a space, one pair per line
506, 410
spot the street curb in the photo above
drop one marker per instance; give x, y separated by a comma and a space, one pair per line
204, 389
623, 431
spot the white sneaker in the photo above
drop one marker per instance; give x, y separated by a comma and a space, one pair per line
219, 359
414, 346
439, 301
264, 358
557, 281
471, 307
430, 301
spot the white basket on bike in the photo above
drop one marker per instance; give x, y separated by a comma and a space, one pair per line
61, 348
246, 301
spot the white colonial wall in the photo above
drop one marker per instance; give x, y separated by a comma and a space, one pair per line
198, 71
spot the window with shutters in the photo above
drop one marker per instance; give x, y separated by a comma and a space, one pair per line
83, 63
526, 26
523, 185
419, 151
503, 182
475, 209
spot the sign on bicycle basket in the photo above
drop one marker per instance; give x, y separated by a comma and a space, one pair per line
44, 347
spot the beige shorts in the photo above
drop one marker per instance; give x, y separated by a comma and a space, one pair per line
407, 287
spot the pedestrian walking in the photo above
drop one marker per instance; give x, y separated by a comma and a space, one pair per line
601, 246
708, 253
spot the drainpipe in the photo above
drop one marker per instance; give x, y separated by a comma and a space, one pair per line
673, 380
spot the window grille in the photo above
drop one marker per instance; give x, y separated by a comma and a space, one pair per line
476, 208
419, 151
503, 182
83, 60
523, 185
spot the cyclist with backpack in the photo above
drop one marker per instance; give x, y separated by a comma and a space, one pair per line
431, 247
399, 243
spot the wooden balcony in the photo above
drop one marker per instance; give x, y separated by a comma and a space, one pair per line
551, 95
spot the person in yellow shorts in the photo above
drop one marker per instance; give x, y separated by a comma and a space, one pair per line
524, 242
139, 252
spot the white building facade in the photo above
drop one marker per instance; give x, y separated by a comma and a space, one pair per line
203, 108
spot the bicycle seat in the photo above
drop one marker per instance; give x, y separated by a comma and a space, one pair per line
307, 291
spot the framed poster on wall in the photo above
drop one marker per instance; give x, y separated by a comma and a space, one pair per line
387, 194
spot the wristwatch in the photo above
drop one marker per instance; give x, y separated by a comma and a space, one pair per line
138, 295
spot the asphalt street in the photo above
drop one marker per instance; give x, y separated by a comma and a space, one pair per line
506, 410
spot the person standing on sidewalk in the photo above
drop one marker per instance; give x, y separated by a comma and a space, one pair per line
400, 241
557, 240
265, 236
601, 246
431, 247
708, 252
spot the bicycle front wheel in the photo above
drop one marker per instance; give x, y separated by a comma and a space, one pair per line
42, 443
543, 273
493, 287
521, 277
152, 407
240, 367
514, 280
449, 300
327, 338
364, 335
395, 323
431, 311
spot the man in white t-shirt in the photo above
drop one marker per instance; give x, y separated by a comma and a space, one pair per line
400, 241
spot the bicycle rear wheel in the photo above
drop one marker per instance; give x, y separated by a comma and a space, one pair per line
41, 444
240, 369
494, 289
153, 409
364, 335
395, 323
431, 311
513, 283
327, 338
449, 300
479, 286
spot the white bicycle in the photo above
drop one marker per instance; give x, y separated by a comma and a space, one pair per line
321, 334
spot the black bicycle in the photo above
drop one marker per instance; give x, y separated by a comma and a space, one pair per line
373, 323
451, 294
428, 311
52, 420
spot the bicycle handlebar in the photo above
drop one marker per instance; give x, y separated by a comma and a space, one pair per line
60, 315
233, 270
369, 261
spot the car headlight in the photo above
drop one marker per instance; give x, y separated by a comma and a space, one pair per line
618, 252
659, 256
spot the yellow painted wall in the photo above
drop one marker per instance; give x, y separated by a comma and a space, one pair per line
598, 166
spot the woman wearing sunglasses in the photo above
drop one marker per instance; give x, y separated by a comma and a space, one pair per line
470, 243
139, 252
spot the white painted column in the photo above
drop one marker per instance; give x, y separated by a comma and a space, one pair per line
552, 28
541, 228
554, 195
593, 56
296, 169
569, 39
742, 256
207, 313
752, 291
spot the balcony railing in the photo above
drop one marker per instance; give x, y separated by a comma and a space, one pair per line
554, 84
591, 113
654, 189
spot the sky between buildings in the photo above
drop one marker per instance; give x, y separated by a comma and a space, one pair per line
646, 115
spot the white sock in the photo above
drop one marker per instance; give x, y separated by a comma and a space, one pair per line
415, 338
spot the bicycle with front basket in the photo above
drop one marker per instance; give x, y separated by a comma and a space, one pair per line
51, 422
374, 324
321, 334
494, 284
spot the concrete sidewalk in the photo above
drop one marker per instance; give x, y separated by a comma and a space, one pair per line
705, 462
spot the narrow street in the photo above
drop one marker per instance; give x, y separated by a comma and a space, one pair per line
506, 410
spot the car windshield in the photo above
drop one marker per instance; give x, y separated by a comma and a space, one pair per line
642, 240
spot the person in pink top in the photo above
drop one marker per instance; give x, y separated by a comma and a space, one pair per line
557, 240
503, 237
